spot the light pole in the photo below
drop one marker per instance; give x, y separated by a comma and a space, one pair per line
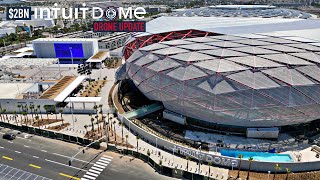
70, 49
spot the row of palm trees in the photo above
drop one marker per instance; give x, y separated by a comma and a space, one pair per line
240, 156
277, 168
34, 110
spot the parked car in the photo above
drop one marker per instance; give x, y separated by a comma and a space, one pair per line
9, 136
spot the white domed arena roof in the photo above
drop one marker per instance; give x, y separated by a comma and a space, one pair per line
249, 72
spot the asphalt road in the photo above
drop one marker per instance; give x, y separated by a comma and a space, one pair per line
49, 158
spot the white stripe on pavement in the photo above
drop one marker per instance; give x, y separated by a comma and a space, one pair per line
102, 161
1, 147
97, 172
17, 152
96, 168
102, 164
89, 177
96, 165
106, 159
84, 179
92, 174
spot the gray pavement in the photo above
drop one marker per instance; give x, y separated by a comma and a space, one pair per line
49, 158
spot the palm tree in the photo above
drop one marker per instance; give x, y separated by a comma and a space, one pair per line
19, 107
188, 159
38, 106
276, 168
288, 170
15, 117
121, 124
86, 127
137, 137
115, 134
127, 142
209, 164
4, 112
31, 108
148, 153
37, 119
60, 111
240, 156
250, 161
55, 112
46, 108
92, 124
160, 164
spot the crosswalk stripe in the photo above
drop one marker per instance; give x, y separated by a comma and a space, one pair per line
108, 156
89, 177
92, 174
96, 168
103, 161
93, 171
96, 165
106, 159
102, 164
84, 179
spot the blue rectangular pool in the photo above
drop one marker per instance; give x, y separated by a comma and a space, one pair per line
258, 156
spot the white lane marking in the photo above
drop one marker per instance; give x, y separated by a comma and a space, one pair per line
96, 168
1, 133
107, 162
84, 179
10, 142
35, 157
17, 152
72, 158
97, 172
1, 147
108, 156
102, 164
89, 177
65, 165
26, 146
96, 165
106, 159
44, 151
91, 174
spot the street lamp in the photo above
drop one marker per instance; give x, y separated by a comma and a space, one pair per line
70, 49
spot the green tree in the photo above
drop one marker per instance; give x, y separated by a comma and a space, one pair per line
127, 142
15, 117
240, 156
148, 153
92, 124
209, 164
115, 134
188, 159
277, 167
288, 170
137, 137
250, 162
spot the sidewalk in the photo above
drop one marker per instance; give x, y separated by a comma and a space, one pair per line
168, 159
